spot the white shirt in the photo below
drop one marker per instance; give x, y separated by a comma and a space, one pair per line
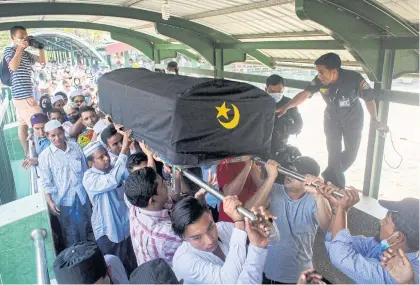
117, 269
196, 266
61, 173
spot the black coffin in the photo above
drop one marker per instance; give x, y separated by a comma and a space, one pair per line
177, 115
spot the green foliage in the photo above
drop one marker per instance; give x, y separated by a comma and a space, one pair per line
4, 41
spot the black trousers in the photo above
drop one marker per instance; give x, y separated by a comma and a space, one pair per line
339, 127
269, 281
123, 250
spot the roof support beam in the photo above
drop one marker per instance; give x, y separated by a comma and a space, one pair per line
145, 26
402, 43
94, 26
310, 61
130, 3
54, 44
142, 45
204, 45
70, 8
353, 21
171, 46
280, 35
284, 45
94, 19
239, 8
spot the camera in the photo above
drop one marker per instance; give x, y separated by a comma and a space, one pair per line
283, 126
34, 43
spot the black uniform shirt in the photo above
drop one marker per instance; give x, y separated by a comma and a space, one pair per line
292, 114
349, 86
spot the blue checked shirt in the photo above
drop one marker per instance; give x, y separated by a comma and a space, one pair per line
106, 192
61, 173
359, 258
41, 144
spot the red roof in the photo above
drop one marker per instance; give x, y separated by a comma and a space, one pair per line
117, 47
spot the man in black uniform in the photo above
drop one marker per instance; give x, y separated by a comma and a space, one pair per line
289, 124
343, 117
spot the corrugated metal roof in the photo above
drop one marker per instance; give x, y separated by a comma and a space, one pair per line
407, 9
261, 20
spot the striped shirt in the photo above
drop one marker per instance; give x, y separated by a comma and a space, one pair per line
152, 235
61, 173
21, 78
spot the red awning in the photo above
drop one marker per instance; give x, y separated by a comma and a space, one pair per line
117, 48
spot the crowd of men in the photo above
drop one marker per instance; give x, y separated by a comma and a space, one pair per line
123, 216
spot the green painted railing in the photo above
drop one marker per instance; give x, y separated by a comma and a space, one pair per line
7, 115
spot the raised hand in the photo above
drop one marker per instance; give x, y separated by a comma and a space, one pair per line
309, 180
145, 149
398, 266
230, 205
212, 179
351, 198
272, 168
310, 277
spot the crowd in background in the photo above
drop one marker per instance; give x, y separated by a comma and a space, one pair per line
121, 215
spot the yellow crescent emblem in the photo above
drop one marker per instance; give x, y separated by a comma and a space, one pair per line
223, 112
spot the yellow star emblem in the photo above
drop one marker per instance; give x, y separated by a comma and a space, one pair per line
222, 111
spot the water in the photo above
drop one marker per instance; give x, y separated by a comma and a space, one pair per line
403, 121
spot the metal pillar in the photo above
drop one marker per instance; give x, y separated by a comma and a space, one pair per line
108, 59
126, 58
218, 68
374, 158
38, 236
156, 56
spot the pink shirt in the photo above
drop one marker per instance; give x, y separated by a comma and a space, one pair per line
152, 235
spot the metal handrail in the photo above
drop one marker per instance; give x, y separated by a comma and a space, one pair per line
34, 169
197, 180
38, 237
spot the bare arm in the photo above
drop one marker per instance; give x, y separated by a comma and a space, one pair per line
77, 128
296, 101
15, 62
351, 197
236, 186
371, 107
256, 176
323, 212
261, 197
150, 160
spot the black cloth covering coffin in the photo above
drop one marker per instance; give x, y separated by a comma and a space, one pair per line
177, 116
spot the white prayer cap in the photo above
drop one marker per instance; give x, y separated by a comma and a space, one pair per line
91, 147
70, 105
56, 98
52, 125
76, 93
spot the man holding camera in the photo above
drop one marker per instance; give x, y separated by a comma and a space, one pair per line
20, 66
